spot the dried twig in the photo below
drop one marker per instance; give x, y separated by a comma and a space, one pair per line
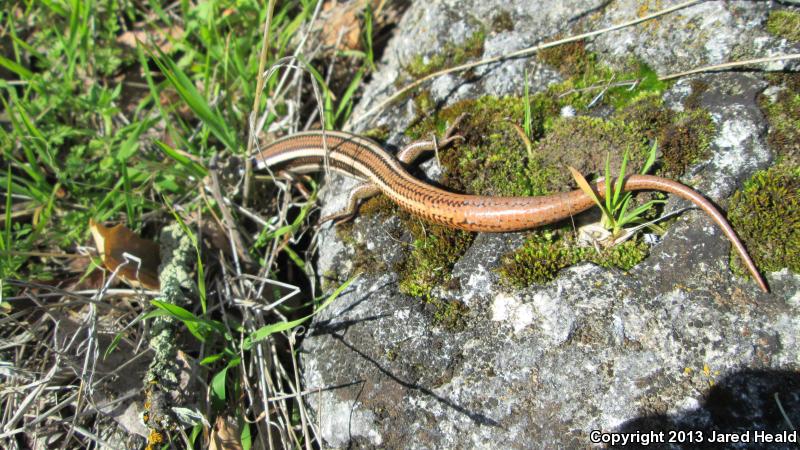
729, 65
262, 63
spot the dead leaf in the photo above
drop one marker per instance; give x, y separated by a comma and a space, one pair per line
225, 435
135, 259
161, 38
342, 19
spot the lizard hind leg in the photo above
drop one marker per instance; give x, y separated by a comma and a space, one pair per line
408, 154
360, 192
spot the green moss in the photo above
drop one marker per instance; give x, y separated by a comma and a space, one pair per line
684, 138
647, 82
766, 216
785, 24
623, 256
492, 158
569, 59
449, 314
424, 102
502, 22
451, 55
434, 251
379, 134
692, 100
546, 252
329, 280
646, 115
685, 141
597, 84
538, 260
783, 116
584, 143
378, 205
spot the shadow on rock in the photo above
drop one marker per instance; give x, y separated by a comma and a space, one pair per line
740, 404
476, 417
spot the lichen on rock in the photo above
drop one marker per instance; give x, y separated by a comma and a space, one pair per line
673, 342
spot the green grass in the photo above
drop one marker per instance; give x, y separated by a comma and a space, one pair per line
97, 126
615, 203
99, 129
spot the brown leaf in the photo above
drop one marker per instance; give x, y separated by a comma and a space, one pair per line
584, 185
158, 37
225, 435
135, 259
342, 19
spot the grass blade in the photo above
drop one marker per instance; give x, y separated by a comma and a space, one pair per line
18, 69
348, 94
527, 105
619, 182
7, 235
633, 215
326, 93
368, 30
196, 169
265, 331
586, 187
608, 198
196, 102
651, 158
218, 382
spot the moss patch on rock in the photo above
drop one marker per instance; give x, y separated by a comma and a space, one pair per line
491, 160
766, 211
545, 253
569, 59
451, 55
585, 143
785, 24
448, 314
502, 21
685, 141
766, 216
428, 264
783, 116
434, 251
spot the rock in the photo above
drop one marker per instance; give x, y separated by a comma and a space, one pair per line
677, 342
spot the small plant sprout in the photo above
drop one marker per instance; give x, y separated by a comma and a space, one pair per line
525, 131
615, 203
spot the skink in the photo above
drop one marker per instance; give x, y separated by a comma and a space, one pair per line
380, 172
